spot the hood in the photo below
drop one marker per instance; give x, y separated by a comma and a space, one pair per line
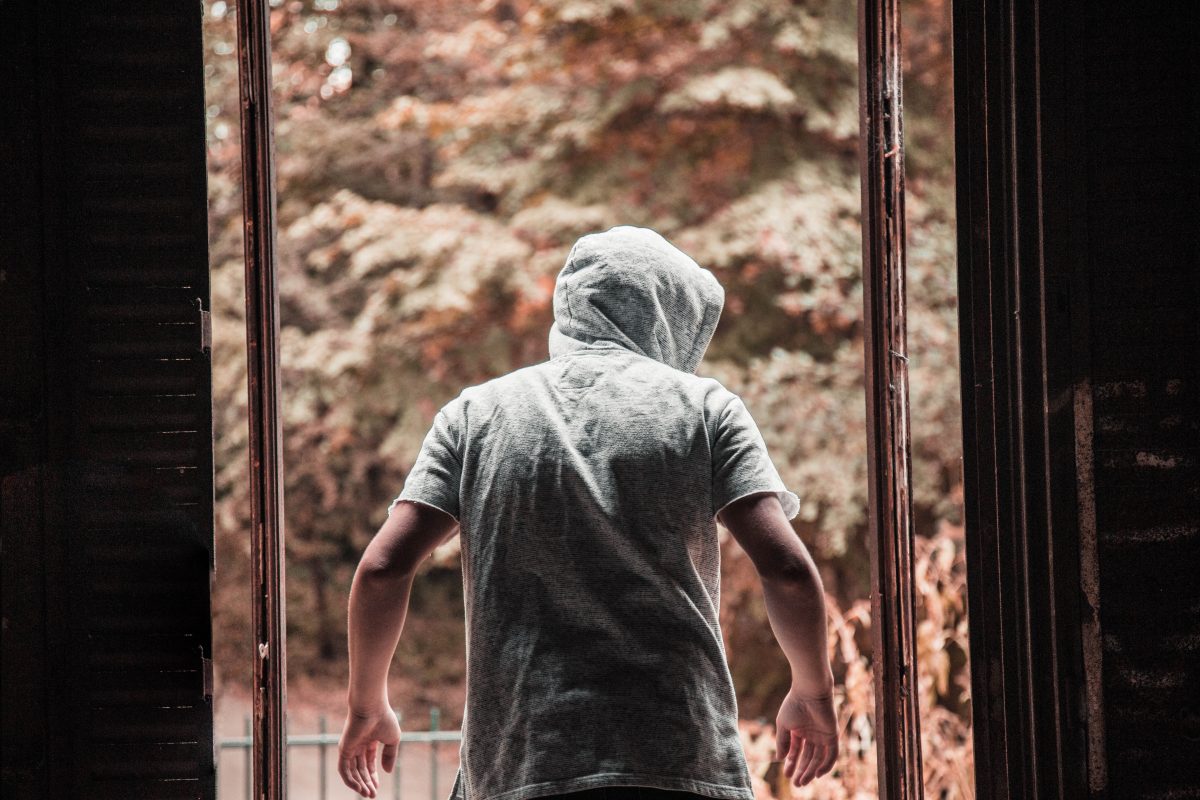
631, 286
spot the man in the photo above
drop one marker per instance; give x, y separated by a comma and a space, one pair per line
586, 489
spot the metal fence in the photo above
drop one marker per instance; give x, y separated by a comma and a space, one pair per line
323, 741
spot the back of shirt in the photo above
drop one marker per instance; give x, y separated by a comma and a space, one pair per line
586, 489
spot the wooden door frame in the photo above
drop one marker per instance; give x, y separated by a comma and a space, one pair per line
267, 591
886, 372
889, 458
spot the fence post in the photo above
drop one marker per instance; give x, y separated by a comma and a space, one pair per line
321, 760
322, 741
399, 752
435, 718
247, 758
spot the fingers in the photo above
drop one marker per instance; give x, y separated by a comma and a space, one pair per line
349, 774
355, 774
815, 761
364, 774
831, 753
372, 749
810, 771
793, 756
782, 735
389, 757
803, 763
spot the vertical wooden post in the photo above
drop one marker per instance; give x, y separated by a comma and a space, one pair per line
897, 721
262, 346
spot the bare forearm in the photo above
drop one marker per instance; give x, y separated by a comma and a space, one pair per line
796, 610
378, 607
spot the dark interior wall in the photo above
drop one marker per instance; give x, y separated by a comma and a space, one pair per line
105, 404
1079, 206
1134, 194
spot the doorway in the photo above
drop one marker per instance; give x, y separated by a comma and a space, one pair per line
433, 164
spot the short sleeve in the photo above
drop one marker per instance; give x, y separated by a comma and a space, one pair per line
741, 464
435, 476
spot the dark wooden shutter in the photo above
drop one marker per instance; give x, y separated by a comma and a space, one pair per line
1138, 195
1078, 201
107, 403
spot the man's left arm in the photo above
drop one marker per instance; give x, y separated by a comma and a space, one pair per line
379, 598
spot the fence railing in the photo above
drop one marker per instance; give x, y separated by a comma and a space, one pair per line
323, 740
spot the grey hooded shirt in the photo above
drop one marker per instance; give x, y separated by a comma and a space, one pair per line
586, 488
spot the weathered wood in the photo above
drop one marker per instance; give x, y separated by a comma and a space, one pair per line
1019, 421
266, 438
897, 723
93, 349
1077, 195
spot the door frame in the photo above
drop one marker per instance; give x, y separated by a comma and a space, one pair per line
889, 445
267, 558
886, 372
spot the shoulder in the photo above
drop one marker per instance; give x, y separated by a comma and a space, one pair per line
708, 397
710, 390
717, 397
495, 391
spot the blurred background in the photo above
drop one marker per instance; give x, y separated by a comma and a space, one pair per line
436, 160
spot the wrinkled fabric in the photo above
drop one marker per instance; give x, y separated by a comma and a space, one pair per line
586, 488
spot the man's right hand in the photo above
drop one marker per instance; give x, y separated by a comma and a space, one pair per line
361, 737
806, 736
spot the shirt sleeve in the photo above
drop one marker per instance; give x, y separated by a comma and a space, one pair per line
435, 476
741, 464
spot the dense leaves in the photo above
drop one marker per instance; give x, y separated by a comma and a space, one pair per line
436, 161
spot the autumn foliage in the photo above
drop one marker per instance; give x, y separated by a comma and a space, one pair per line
437, 159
